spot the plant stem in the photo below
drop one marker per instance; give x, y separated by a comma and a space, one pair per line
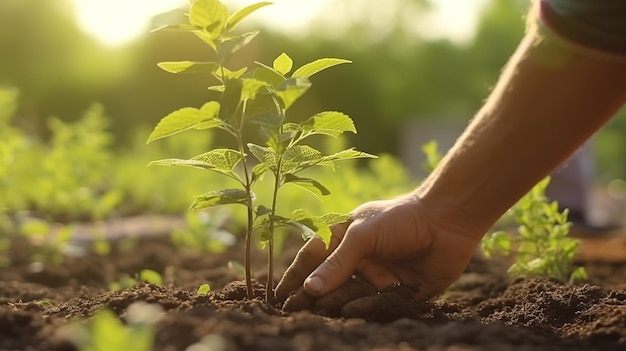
249, 205
247, 263
269, 287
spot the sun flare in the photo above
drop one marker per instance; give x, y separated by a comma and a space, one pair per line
116, 22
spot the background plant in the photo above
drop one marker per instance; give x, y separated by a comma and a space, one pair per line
76, 183
106, 332
204, 232
258, 97
145, 276
542, 246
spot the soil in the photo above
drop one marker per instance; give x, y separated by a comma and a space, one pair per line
483, 310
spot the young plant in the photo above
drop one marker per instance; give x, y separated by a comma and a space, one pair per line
203, 289
258, 97
105, 331
542, 246
146, 275
204, 232
48, 242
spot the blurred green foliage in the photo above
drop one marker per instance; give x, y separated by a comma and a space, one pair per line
401, 74
76, 175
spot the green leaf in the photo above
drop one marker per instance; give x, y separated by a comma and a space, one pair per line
218, 88
269, 75
188, 67
329, 123
220, 197
283, 64
306, 232
251, 88
311, 68
150, 276
238, 16
258, 171
262, 229
183, 27
262, 211
222, 159
334, 218
106, 329
218, 160
312, 185
224, 73
347, 154
187, 118
289, 130
211, 15
579, 274
501, 241
230, 46
180, 162
299, 157
291, 89
203, 289
264, 154
314, 223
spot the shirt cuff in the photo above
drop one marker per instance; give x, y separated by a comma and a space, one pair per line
580, 36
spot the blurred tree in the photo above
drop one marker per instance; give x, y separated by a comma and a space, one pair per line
57, 68
397, 74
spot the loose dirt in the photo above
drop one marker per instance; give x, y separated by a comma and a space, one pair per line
483, 310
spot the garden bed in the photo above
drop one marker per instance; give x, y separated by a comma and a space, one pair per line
483, 310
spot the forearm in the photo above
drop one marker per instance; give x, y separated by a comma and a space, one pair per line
547, 102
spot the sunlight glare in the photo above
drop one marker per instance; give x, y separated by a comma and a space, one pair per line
116, 22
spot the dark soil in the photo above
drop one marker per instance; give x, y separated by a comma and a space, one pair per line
483, 310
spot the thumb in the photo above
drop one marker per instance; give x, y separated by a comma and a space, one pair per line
338, 266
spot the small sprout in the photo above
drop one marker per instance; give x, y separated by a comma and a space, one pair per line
151, 277
203, 289
106, 332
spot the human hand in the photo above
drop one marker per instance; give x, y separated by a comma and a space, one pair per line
387, 242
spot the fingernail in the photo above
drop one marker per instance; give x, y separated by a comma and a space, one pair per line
314, 283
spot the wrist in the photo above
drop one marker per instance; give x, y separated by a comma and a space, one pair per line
451, 214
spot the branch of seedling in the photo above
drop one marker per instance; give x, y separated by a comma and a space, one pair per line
259, 97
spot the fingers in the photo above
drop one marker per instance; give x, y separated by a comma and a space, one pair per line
353, 288
377, 274
340, 265
310, 256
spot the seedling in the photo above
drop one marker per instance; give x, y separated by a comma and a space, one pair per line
105, 332
48, 244
258, 97
203, 289
542, 246
146, 275
204, 232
